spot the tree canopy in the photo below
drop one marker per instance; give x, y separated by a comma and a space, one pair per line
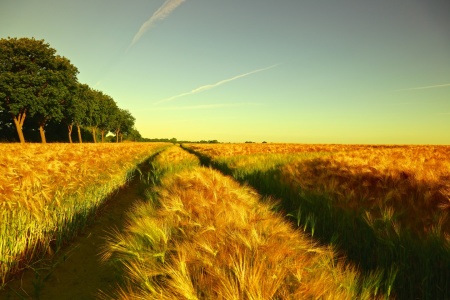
39, 88
123, 123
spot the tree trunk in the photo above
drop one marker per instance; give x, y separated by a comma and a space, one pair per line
18, 121
103, 136
94, 134
117, 135
79, 134
42, 132
69, 127
121, 137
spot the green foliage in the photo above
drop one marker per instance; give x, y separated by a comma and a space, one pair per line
34, 80
134, 135
38, 85
77, 105
107, 111
122, 122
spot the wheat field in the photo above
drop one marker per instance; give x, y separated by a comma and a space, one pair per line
295, 221
201, 235
385, 206
377, 179
49, 192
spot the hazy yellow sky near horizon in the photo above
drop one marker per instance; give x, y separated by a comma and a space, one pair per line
374, 72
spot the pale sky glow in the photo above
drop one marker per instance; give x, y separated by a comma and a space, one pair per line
302, 71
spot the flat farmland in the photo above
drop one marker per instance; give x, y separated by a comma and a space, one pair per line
229, 221
201, 235
385, 207
50, 192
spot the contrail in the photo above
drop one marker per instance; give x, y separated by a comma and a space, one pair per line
210, 86
159, 15
206, 106
425, 87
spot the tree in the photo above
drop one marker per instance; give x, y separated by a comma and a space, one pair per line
108, 111
128, 125
134, 135
52, 103
7, 129
92, 117
123, 122
33, 81
77, 108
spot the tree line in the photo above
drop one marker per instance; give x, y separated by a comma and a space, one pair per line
40, 92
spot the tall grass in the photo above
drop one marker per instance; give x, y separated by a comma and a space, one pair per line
386, 207
50, 192
204, 236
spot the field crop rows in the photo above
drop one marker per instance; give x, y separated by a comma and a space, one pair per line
50, 192
201, 235
386, 207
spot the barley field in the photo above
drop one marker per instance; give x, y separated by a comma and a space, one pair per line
385, 207
50, 192
381, 180
239, 221
202, 235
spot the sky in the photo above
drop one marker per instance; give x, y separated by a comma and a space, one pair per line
290, 71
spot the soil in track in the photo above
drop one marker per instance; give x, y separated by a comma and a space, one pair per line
76, 271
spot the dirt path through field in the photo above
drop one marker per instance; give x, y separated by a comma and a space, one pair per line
76, 272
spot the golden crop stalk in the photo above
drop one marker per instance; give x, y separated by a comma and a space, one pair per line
43, 186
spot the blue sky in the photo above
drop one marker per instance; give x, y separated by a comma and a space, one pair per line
348, 71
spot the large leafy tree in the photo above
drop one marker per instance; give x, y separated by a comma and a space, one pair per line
123, 122
100, 111
52, 103
92, 118
34, 81
77, 108
107, 112
134, 135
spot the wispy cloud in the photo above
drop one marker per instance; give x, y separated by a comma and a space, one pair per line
425, 87
205, 106
162, 13
399, 103
211, 86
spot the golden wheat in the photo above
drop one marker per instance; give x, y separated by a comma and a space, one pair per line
44, 186
210, 238
410, 182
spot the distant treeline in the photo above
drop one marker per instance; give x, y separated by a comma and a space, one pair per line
41, 99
